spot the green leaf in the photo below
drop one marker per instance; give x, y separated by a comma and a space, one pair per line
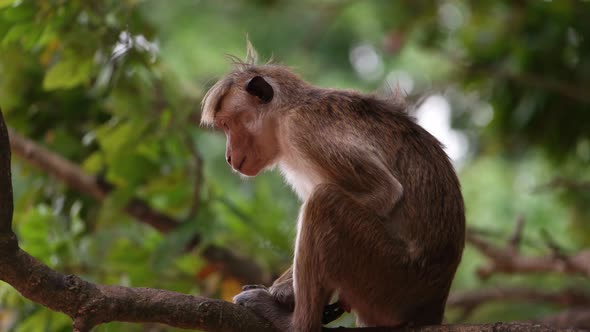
174, 244
67, 74
44, 320
94, 163
34, 227
6, 3
15, 33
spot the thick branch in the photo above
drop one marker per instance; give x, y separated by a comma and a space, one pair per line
73, 176
491, 327
579, 317
6, 204
89, 305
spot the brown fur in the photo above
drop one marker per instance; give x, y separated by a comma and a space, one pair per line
382, 221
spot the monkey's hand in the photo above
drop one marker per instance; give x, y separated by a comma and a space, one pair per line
284, 294
265, 305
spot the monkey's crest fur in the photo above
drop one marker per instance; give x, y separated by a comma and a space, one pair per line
274, 73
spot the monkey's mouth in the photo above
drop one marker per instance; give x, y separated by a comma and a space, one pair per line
241, 164
249, 169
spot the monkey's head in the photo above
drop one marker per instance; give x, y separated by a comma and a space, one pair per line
247, 105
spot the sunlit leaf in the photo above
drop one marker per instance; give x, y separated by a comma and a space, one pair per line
6, 3
68, 73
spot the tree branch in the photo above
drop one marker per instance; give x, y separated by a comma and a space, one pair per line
566, 297
508, 259
73, 176
198, 177
579, 317
468, 301
490, 327
89, 304
561, 182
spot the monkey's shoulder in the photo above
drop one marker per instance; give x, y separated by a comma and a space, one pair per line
349, 119
332, 105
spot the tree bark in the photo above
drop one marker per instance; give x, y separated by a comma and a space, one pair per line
491, 327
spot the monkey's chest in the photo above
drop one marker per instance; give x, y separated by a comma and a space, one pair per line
300, 176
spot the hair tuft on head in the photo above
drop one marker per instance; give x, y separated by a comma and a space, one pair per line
251, 54
212, 99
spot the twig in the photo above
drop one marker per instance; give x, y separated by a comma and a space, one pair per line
566, 89
509, 260
198, 178
516, 238
468, 301
561, 182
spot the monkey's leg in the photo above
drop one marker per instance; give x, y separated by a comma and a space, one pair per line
345, 246
283, 293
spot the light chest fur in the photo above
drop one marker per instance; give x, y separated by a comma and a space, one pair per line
300, 176
297, 171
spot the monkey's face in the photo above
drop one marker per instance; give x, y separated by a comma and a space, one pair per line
249, 127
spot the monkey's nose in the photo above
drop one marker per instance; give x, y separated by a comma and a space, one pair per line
228, 158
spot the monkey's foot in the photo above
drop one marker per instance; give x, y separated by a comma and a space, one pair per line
264, 304
283, 293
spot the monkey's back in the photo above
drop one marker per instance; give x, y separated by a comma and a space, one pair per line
431, 207
431, 210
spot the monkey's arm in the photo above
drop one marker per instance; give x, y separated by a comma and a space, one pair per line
372, 185
345, 151
358, 170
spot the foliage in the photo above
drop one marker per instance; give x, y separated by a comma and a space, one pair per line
115, 85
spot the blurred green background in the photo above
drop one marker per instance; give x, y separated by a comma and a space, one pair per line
115, 86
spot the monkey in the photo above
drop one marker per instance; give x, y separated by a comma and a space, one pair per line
382, 221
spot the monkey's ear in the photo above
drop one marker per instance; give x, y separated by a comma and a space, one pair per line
260, 88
